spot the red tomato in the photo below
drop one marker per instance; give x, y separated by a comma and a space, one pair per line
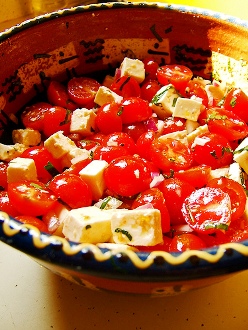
173, 124
33, 116
120, 139
30, 220
57, 94
6, 205
109, 153
237, 102
197, 176
171, 154
31, 198
187, 241
87, 144
109, 119
3, 175
144, 144
151, 68
71, 189
82, 90
126, 86
177, 75
236, 193
212, 150
159, 247
207, 210
154, 198
135, 130
194, 88
226, 123
77, 167
175, 191
148, 89
57, 119
46, 165
135, 109
127, 176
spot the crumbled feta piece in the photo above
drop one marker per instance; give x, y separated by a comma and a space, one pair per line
198, 131
20, 169
187, 108
133, 68
59, 145
83, 122
105, 95
9, 152
26, 136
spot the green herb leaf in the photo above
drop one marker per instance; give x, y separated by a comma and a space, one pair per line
124, 232
51, 169
66, 120
105, 202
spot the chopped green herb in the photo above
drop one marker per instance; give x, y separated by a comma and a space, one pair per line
240, 150
35, 185
170, 175
88, 227
157, 97
212, 225
213, 153
225, 149
174, 101
125, 82
233, 102
124, 232
51, 169
120, 111
66, 120
105, 202
215, 115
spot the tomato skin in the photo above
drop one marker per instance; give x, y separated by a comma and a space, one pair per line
216, 150
127, 176
144, 144
120, 139
77, 167
71, 189
126, 86
109, 153
56, 119
148, 89
135, 130
186, 241
57, 95
31, 198
154, 197
177, 75
235, 191
173, 124
108, 118
197, 176
3, 175
194, 88
82, 90
30, 220
6, 205
171, 154
33, 116
151, 68
175, 191
207, 210
135, 109
237, 102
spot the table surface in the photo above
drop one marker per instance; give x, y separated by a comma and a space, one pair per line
31, 296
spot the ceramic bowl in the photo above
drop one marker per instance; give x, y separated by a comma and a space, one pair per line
86, 39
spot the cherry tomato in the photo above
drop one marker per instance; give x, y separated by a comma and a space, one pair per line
144, 144
135, 109
46, 165
237, 102
194, 88
109, 153
120, 139
71, 189
154, 198
82, 90
212, 150
226, 123
57, 94
31, 198
236, 193
148, 89
126, 86
175, 191
57, 119
78, 166
33, 116
3, 175
30, 220
127, 176
6, 205
151, 68
207, 210
173, 124
197, 176
177, 75
108, 118
171, 154
135, 130
187, 241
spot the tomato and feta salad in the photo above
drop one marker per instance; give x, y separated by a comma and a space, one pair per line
153, 158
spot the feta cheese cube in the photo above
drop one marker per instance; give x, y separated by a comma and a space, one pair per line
178, 135
105, 95
59, 145
235, 173
73, 156
92, 174
21, 169
83, 122
163, 102
191, 125
26, 136
9, 152
134, 68
198, 131
187, 108
240, 154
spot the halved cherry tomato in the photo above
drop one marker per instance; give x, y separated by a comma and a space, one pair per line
197, 176
135, 109
3, 175
109, 153
82, 90
6, 205
127, 176
71, 189
171, 154
236, 193
207, 210
194, 88
31, 198
173, 124
237, 101
187, 241
154, 198
57, 119
30, 220
175, 74
33, 116
126, 86
57, 94
108, 118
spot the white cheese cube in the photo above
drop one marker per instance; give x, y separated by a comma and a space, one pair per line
198, 131
83, 122
88, 225
214, 93
92, 174
105, 95
9, 152
55, 219
187, 108
218, 173
134, 68
27, 136
137, 227
163, 102
20, 169
235, 173
191, 125
240, 154
73, 156
178, 135
59, 145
